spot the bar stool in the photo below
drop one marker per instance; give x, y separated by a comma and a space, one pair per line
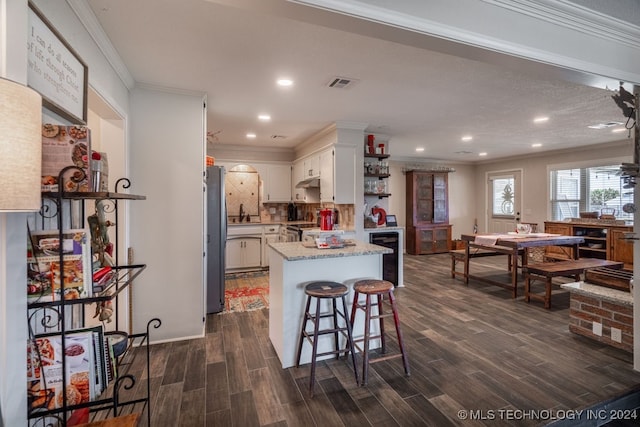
379, 289
325, 291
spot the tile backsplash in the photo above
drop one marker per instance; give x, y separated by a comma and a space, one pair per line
242, 188
276, 212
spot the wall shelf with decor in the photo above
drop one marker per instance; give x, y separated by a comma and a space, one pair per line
80, 370
375, 173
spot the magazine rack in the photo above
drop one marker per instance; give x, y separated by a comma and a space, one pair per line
98, 384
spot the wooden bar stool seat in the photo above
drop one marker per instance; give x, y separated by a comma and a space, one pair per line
383, 291
333, 291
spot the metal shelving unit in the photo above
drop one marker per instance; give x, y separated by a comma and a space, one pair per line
59, 317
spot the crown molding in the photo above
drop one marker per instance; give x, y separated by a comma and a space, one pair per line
344, 124
250, 149
575, 17
168, 89
558, 12
88, 19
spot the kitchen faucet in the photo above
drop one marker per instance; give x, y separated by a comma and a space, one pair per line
241, 212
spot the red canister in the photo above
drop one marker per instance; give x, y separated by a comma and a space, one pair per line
370, 143
326, 219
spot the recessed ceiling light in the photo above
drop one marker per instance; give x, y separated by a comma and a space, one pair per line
251, 135
467, 138
536, 145
420, 149
482, 154
285, 82
541, 119
616, 130
264, 117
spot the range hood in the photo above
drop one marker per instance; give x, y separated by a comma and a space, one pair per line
309, 182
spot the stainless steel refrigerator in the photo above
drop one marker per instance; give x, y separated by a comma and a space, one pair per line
216, 238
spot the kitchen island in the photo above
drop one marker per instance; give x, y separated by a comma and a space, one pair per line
292, 266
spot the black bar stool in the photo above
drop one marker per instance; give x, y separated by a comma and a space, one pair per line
380, 289
320, 291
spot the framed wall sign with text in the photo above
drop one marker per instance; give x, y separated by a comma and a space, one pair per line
55, 70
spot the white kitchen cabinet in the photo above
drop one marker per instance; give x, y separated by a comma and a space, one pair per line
337, 175
299, 173
312, 166
271, 235
277, 184
243, 252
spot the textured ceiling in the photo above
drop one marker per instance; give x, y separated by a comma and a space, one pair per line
414, 96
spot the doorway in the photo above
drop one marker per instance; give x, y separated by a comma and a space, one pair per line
504, 200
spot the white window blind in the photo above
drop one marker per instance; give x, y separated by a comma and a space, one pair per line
593, 189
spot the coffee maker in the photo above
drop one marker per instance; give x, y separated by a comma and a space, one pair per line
292, 212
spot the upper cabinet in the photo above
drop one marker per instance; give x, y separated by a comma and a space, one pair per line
299, 172
312, 166
277, 184
297, 175
337, 175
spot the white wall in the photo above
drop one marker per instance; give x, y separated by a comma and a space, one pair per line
167, 155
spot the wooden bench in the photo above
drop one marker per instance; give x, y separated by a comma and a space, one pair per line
548, 270
458, 255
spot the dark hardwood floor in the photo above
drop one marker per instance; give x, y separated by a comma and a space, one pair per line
474, 353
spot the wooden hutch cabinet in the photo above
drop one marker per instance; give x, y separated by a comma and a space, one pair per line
427, 210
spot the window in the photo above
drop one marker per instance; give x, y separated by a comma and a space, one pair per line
503, 196
594, 189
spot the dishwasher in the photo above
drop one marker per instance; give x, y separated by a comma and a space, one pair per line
389, 261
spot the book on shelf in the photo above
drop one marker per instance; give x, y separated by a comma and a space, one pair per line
47, 279
45, 375
110, 361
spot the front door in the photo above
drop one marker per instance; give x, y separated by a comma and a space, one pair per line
504, 200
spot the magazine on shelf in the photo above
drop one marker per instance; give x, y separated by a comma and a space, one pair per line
45, 368
45, 274
64, 146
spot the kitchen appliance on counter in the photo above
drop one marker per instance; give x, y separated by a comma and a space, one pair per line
326, 219
292, 212
216, 238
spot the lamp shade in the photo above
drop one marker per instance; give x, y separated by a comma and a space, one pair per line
20, 147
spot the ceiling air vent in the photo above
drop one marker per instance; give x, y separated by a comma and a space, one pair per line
278, 137
341, 82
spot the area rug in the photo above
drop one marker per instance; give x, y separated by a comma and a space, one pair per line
246, 299
246, 291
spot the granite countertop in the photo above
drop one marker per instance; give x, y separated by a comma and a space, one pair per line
612, 295
382, 229
296, 251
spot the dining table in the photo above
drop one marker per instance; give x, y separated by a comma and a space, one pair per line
515, 245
